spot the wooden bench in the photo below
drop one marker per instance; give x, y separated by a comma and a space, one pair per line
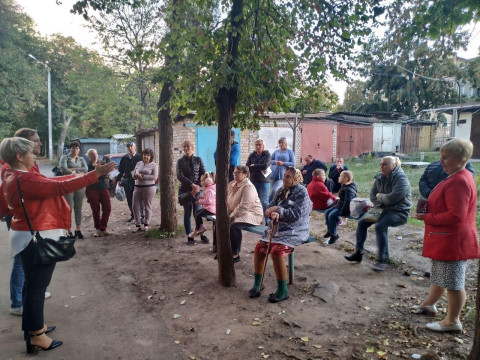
260, 229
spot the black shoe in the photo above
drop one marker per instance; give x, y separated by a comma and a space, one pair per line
204, 239
380, 266
78, 234
236, 259
50, 329
131, 219
274, 299
332, 240
356, 256
327, 234
255, 293
191, 241
32, 348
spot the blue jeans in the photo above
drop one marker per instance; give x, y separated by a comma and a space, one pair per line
17, 277
277, 184
388, 219
187, 214
262, 191
331, 218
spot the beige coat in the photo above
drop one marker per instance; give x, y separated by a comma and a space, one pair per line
243, 204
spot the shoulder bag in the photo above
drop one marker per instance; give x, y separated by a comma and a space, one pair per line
373, 215
48, 251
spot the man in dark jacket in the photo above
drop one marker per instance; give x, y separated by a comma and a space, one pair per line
124, 177
334, 174
310, 165
433, 174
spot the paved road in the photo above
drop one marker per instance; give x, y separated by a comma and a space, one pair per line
95, 308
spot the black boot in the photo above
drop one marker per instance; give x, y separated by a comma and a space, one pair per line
191, 241
356, 256
327, 234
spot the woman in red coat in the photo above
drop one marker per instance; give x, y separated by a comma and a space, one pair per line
50, 215
450, 235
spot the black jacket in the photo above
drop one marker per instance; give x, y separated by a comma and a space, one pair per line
127, 165
315, 164
433, 174
189, 171
346, 194
260, 162
334, 175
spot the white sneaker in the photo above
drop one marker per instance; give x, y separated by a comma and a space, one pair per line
17, 311
48, 295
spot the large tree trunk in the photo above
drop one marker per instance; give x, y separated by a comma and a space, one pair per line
66, 120
226, 102
475, 352
168, 209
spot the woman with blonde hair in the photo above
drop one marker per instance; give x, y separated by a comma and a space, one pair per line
391, 192
450, 235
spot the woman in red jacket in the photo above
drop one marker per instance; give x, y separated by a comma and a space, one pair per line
49, 214
450, 235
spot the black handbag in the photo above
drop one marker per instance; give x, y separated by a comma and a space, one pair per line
48, 251
185, 197
57, 171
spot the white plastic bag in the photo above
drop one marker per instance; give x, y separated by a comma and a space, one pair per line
358, 206
113, 174
120, 193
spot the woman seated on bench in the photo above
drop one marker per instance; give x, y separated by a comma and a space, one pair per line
290, 209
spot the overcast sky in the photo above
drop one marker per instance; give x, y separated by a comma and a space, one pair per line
52, 18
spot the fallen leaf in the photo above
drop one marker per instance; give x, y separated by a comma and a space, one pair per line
72, 297
256, 319
317, 346
83, 294
382, 354
401, 286
385, 342
458, 340
150, 296
370, 350
366, 308
255, 323
190, 293
176, 316
281, 312
66, 305
228, 331
182, 302
305, 339
177, 342
191, 357
260, 347
266, 356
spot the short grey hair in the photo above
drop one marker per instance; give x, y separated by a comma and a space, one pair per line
11, 147
392, 160
458, 148
89, 151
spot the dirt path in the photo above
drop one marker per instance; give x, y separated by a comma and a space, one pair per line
121, 296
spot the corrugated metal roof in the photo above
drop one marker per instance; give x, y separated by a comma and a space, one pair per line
122, 136
93, 141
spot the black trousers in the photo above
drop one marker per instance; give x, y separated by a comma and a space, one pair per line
236, 236
37, 279
199, 217
129, 194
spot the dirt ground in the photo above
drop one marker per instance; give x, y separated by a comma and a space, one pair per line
368, 318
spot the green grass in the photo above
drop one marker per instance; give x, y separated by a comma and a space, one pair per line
364, 169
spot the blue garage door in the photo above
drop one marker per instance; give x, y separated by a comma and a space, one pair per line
206, 139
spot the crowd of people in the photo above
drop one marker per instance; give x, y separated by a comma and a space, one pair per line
281, 199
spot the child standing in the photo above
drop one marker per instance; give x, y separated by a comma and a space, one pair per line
348, 191
208, 205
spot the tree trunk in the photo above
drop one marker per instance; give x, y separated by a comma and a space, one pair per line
168, 209
475, 352
66, 120
226, 102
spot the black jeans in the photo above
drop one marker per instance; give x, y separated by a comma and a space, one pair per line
199, 215
236, 236
129, 192
37, 279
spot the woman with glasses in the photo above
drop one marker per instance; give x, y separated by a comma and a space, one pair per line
290, 211
258, 163
243, 206
281, 158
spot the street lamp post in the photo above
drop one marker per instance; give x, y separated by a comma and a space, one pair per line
49, 86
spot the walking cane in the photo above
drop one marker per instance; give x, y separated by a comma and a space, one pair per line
266, 258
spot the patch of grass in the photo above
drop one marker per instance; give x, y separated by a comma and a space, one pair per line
156, 233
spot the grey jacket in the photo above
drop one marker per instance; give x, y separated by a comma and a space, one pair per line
293, 227
395, 192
